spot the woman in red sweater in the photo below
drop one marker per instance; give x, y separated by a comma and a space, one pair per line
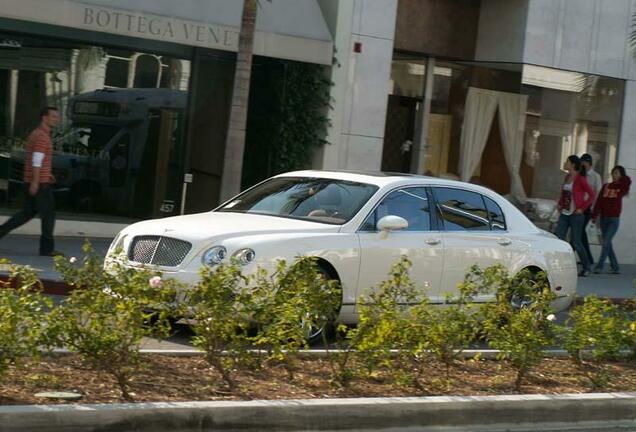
608, 206
576, 197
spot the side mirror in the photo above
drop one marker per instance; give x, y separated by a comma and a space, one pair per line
392, 223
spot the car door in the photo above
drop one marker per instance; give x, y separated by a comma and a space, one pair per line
420, 241
474, 233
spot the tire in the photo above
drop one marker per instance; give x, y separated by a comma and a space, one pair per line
315, 335
520, 301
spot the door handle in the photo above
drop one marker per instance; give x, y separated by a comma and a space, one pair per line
433, 241
504, 241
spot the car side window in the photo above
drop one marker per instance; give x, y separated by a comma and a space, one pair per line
461, 210
411, 204
497, 218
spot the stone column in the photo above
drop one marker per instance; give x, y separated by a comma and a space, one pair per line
12, 101
420, 140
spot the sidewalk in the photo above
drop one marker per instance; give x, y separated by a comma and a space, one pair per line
611, 286
22, 249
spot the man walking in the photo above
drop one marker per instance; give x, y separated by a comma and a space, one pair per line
595, 181
38, 179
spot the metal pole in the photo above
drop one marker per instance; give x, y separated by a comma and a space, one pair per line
183, 197
187, 179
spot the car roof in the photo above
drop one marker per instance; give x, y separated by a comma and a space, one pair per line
382, 178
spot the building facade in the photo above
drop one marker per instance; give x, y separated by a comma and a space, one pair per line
144, 89
500, 92
497, 92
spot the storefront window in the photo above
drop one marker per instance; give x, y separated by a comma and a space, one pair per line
569, 113
507, 126
119, 150
407, 77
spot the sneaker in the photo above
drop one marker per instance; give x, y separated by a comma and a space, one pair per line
584, 273
598, 270
613, 271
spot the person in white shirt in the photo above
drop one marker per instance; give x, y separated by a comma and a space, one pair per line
596, 182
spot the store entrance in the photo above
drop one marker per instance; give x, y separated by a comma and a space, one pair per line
399, 133
132, 142
163, 162
118, 152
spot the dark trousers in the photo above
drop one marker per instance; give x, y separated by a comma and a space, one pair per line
584, 240
41, 204
609, 227
573, 223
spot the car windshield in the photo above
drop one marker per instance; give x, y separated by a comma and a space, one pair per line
317, 199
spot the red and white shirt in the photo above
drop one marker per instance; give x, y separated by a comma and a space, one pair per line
39, 153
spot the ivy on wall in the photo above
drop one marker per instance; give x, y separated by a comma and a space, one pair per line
287, 117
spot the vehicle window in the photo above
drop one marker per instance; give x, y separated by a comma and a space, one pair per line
497, 218
319, 199
461, 210
410, 203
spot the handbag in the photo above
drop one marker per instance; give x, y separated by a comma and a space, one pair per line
593, 234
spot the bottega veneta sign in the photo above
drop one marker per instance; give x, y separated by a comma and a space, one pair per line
206, 28
158, 27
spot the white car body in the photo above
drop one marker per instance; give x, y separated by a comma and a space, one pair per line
362, 259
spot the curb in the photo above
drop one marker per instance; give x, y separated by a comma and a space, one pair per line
369, 414
613, 300
49, 286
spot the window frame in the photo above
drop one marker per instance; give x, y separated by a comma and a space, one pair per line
503, 214
439, 216
435, 223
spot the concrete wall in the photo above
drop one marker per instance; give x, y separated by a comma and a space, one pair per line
361, 84
445, 28
501, 20
329, 10
626, 238
582, 35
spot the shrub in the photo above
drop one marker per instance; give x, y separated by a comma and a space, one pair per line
519, 322
23, 317
341, 359
595, 336
629, 325
629, 331
387, 324
293, 302
108, 313
222, 308
446, 331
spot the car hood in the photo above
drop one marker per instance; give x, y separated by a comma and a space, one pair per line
209, 225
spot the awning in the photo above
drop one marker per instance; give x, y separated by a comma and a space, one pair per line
289, 29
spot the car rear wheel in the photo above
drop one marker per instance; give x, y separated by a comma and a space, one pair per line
525, 300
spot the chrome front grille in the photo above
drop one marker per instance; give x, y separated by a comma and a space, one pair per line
158, 250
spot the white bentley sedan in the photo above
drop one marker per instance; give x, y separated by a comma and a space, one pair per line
357, 225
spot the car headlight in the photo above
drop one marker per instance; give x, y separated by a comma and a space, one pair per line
214, 256
244, 256
118, 244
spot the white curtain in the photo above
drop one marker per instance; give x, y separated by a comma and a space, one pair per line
481, 106
512, 124
478, 114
